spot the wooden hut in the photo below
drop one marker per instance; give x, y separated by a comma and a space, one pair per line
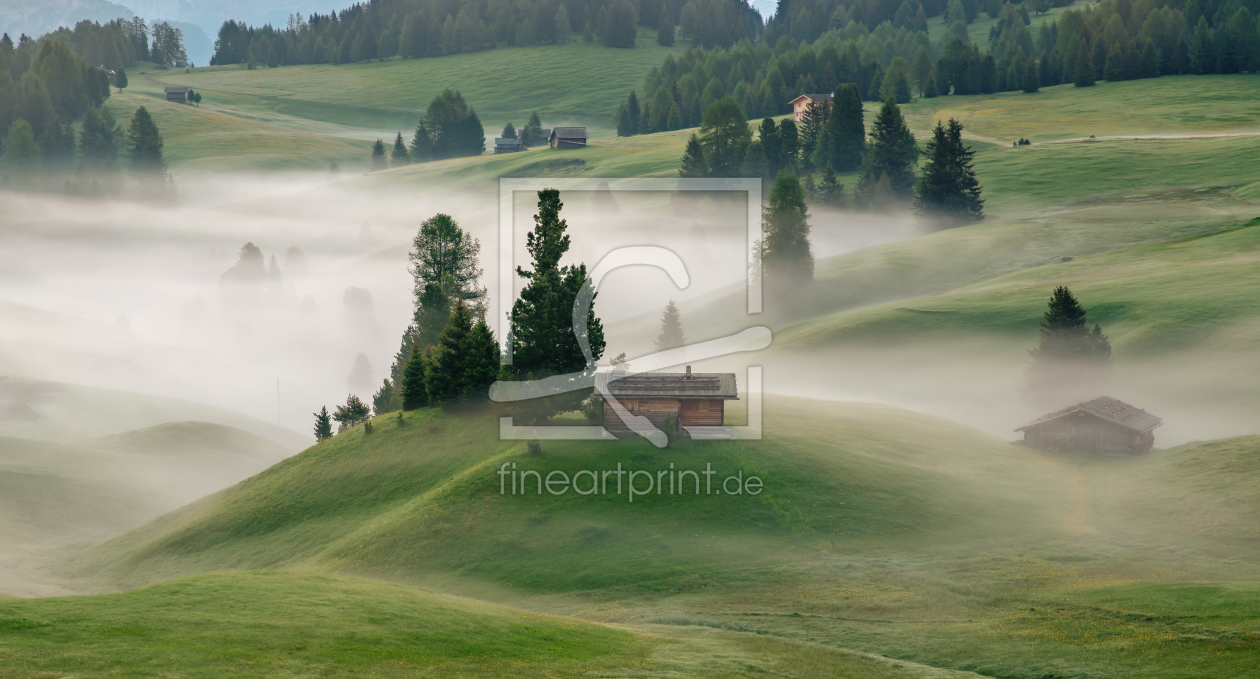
567, 137
1104, 425
689, 399
801, 104
509, 145
179, 95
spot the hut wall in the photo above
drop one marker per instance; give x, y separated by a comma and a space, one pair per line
702, 413
656, 410
1087, 434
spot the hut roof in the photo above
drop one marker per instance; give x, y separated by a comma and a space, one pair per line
669, 385
177, 90
1106, 408
816, 98
569, 132
508, 142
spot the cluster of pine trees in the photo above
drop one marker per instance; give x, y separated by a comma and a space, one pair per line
47, 85
449, 128
834, 139
428, 28
449, 356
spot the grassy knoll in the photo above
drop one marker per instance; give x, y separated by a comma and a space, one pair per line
424, 498
880, 532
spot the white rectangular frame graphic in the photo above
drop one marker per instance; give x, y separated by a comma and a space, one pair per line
507, 267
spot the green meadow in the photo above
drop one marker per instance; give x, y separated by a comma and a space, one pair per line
885, 542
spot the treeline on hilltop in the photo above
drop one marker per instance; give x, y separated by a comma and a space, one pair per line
122, 43
1114, 40
428, 28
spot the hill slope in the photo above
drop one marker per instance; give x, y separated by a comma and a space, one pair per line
424, 498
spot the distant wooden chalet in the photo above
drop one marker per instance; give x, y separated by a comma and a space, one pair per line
1104, 425
178, 95
688, 399
509, 145
801, 103
567, 137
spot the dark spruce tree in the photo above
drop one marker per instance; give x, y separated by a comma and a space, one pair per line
99, 141
387, 399
890, 152
1083, 75
509, 131
724, 136
544, 341
378, 156
671, 336
948, 193
323, 424
144, 150
830, 191
665, 30
1032, 77
481, 362
1071, 360
532, 134
843, 137
786, 259
415, 393
628, 116
445, 379
399, 156
693, 163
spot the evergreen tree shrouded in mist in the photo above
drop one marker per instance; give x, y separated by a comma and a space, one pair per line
144, 151
544, 341
445, 269
724, 136
509, 131
399, 156
671, 336
693, 163
843, 137
99, 140
948, 192
20, 166
323, 424
532, 133
786, 258
812, 124
890, 152
379, 161
1070, 356
830, 192
352, 414
628, 116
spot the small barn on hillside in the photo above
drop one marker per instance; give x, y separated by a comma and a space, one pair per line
689, 399
1104, 425
567, 137
801, 103
509, 145
179, 95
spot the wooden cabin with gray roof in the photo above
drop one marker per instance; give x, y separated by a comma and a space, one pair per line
1104, 425
567, 137
688, 399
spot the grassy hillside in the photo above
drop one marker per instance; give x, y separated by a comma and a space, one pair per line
303, 117
255, 624
424, 498
879, 532
56, 494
